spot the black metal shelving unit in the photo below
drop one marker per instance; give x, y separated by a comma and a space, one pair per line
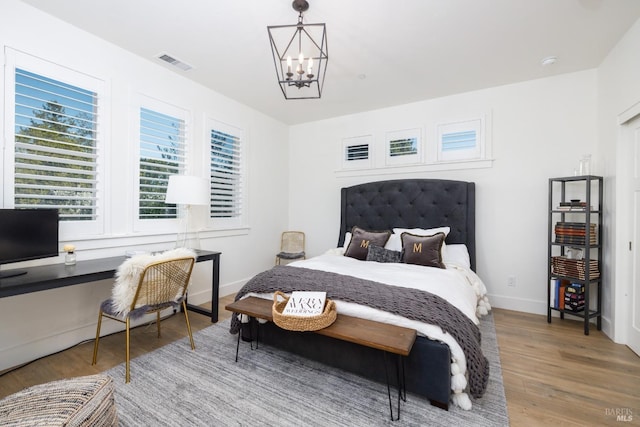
587, 188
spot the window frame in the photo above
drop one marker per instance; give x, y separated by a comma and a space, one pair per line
403, 159
69, 229
156, 225
353, 141
477, 152
241, 220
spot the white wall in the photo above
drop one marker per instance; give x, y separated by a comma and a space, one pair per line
618, 91
540, 129
41, 323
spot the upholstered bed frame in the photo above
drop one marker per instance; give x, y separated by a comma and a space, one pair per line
409, 203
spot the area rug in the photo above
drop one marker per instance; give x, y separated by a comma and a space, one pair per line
268, 387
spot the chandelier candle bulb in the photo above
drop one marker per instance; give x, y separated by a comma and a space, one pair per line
289, 63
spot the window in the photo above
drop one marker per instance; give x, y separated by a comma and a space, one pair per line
356, 152
226, 168
162, 153
403, 147
54, 138
463, 140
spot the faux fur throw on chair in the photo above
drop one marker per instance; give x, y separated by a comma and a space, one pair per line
128, 276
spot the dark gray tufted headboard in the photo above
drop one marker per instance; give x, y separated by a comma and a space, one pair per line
410, 203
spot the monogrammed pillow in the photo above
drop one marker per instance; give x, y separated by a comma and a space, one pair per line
423, 250
361, 240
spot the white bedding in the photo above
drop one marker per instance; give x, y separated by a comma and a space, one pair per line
459, 285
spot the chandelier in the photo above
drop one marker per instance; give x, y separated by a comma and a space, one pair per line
300, 56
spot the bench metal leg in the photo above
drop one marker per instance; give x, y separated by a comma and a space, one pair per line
400, 381
252, 324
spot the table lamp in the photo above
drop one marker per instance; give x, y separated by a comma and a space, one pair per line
187, 190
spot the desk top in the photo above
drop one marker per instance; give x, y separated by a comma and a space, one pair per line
52, 276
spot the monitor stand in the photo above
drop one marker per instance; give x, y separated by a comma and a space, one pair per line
11, 273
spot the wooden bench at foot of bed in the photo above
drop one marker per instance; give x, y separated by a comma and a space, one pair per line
388, 338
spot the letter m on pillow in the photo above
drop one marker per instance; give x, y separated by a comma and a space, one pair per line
417, 247
364, 243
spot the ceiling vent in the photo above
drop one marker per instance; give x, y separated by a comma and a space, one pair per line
173, 61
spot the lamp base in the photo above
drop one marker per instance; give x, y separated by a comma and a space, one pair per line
185, 238
189, 241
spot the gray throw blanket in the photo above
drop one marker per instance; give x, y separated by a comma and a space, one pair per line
410, 303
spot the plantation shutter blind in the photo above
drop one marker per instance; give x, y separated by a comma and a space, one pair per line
403, 147
463, 140
55, 154
226, 176
162, 153
357, 152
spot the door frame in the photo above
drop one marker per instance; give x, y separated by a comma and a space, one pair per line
623, 257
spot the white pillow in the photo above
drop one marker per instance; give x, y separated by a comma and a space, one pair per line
395, 243
456, 254
423, 231
347, 240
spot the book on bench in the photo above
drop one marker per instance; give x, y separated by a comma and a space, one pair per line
305, 303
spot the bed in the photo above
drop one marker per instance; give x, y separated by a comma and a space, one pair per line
438, 367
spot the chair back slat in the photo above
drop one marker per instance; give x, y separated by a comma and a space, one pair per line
163, 282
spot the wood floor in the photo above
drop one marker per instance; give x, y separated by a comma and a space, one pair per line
553, 374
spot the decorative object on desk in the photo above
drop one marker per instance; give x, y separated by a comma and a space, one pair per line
70, 256
187, 190
301, 323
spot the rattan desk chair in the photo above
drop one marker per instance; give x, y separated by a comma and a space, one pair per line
162, 284
291, 246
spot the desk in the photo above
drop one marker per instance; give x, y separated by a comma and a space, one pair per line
53, 276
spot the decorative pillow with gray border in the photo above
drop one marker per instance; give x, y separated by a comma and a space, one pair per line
362, 239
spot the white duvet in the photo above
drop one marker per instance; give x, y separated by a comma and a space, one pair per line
459, 285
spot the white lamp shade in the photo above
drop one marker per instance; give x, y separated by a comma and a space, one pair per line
187, 190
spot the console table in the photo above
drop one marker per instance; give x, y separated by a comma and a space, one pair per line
53, 276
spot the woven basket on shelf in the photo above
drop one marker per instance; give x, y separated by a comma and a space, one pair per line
301, 323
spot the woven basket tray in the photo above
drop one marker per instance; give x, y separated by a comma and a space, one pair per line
301, 323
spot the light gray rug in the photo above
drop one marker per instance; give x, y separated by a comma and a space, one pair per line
268, 387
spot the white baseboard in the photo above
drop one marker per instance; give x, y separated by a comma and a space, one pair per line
232, 288
518, 304
538, 307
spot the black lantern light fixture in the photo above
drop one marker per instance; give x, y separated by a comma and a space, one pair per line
300, 56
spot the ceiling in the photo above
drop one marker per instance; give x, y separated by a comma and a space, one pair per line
381, 52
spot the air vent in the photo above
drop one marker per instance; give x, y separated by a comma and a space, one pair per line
173, 61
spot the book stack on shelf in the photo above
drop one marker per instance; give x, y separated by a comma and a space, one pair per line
558, 287
564, 266
575, 233
574, 205
574, 297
